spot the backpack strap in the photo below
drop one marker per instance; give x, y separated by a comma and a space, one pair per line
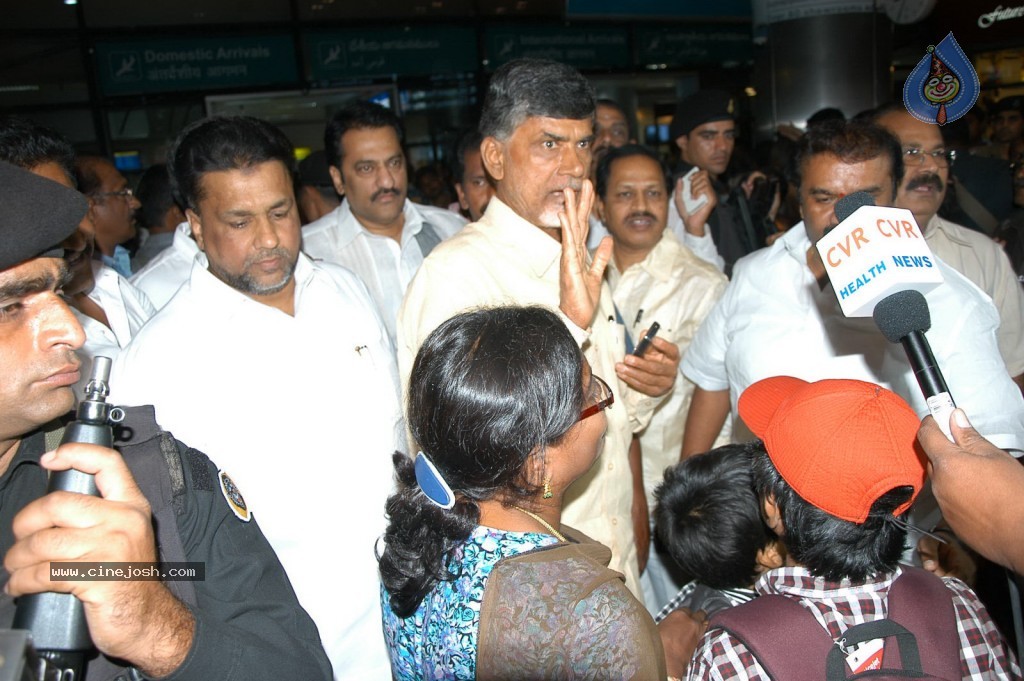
165, 491
772, 627
976, 210
156, 465
427, 238
921, 617
920, 601
887, 630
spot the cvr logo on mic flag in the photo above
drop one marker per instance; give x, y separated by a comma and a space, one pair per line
873, 253
943, 86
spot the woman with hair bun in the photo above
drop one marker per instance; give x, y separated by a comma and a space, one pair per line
479, 577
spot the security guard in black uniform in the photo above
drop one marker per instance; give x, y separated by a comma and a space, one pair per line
704, 129
159, 500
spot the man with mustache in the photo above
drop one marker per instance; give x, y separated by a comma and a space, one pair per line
971, 253
282, 366
530, 248
780, 316
653, 278
376, 231
157, 499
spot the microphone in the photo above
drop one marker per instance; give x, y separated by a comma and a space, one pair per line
884, 252
874, 252
848, 205
57, 620
903, 317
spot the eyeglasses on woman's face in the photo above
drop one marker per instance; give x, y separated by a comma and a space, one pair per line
605, 397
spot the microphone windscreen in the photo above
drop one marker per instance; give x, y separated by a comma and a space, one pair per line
846, 206
898, 314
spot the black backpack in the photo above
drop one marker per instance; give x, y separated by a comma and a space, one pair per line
920, 635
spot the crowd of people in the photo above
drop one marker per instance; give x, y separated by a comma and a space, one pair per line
601, 417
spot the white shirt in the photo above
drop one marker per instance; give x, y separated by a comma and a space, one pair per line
384, 265
774, 320
984, 262
677, 289
702, 246
302, 412
169, 269
127, 308
505, 260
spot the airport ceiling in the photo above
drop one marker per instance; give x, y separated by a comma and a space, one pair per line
127, 14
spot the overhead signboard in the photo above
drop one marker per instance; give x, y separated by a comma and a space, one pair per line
582, 47
725, 44
675, 9
989, 24
404, 52
170, 65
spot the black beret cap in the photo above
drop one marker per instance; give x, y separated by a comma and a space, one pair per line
1013, 103
703, 106
38, 214
313, 170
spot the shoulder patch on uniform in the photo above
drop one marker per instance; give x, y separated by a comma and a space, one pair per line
234, 498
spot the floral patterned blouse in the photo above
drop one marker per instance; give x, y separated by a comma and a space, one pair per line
439, 640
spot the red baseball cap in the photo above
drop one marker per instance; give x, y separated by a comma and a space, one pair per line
840, 444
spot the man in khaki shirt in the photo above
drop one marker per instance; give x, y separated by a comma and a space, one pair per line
529, 248
654, 278
974, 255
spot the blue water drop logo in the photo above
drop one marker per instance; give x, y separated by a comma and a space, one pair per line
943, 86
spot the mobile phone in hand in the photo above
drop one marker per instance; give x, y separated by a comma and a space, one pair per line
645, 342
692, 204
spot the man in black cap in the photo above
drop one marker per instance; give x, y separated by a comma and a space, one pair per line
1007, 121
704, 129
242, 620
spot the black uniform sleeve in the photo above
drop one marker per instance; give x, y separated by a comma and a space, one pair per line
249, 624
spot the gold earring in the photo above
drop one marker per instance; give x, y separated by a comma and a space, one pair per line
547, 487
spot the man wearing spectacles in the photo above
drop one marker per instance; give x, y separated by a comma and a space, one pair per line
977, 257
112, 206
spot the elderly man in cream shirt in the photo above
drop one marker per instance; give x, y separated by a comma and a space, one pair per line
530, 248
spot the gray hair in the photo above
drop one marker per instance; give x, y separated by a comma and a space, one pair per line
534, 87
